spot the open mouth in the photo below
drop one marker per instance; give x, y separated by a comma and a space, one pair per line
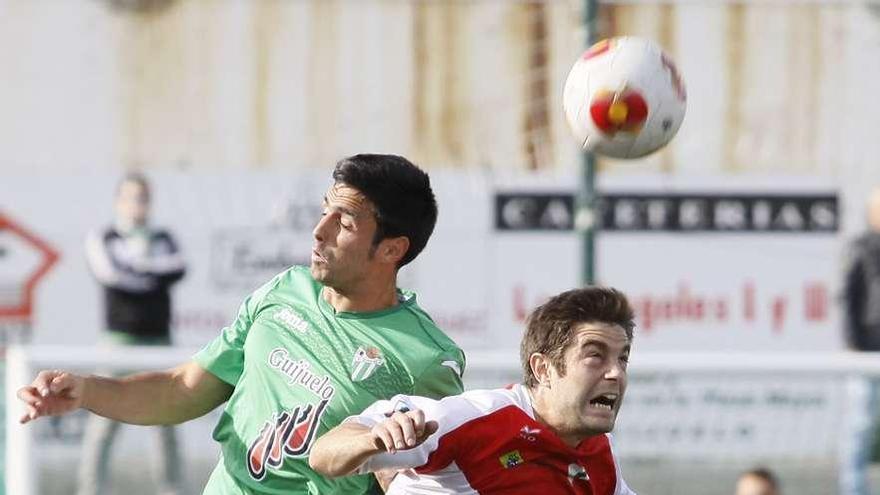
604, 401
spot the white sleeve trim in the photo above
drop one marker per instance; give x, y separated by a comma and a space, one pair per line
450, 413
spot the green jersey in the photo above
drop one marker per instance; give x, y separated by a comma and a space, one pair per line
299, 368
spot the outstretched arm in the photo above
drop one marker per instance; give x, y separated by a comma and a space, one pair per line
342, 450
163, 397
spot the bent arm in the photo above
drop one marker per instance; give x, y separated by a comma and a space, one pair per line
112, 272
343, 449
346, 449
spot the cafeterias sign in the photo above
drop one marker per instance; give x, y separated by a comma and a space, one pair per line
24, 260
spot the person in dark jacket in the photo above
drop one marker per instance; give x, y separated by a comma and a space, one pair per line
136, 265
861, 313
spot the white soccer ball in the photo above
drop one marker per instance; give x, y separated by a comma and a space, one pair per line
624, 98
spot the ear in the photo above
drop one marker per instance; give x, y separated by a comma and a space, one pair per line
541, 367
393, 249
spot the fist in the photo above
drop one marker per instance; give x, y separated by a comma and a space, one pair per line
402, 431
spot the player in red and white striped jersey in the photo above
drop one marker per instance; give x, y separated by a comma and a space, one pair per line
547, 435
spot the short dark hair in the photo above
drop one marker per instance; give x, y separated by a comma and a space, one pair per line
401, 193
549, 329
764, 474
139, 179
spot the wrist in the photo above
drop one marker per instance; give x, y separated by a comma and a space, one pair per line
88, 384
372, 443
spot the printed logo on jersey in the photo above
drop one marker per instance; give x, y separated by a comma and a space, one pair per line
577, 472
288, 434
291, 320
366, 361
511, 459
399, 406
529, 434
299, 373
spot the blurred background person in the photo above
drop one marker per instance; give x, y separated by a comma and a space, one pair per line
136, 264
861, 313
758, 481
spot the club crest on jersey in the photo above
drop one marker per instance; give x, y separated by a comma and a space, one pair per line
287, 434
511, 459
366, 361
577, 472
530, 434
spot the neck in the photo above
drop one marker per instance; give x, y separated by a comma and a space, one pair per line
374, 296
546, 415
125, 226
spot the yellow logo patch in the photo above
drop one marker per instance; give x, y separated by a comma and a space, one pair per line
511, 459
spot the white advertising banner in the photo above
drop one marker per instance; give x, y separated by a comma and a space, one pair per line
725, 264
699, 279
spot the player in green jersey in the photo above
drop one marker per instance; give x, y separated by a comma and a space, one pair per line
309, 348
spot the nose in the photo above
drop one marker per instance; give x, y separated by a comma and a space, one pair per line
320, 231
615, 371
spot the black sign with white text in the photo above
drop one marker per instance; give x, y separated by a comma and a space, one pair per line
674, 212
534, 211
720, 212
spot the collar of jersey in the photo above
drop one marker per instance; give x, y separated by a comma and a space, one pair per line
588, 446
404, 299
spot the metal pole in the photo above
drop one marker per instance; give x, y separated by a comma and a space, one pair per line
586, 219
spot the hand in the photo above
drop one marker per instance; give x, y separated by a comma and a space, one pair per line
402, 431
52, 393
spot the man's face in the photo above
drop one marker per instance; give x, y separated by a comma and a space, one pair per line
342, 254
754, 485
132, 203
588, 397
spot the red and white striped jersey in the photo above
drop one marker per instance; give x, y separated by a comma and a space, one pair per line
489, 442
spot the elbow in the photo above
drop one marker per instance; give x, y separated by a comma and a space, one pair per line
325, 470
319, 461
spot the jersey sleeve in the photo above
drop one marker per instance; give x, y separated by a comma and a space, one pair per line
439, 454
224, 356
442, 377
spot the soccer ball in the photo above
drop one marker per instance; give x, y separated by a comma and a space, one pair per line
624, 98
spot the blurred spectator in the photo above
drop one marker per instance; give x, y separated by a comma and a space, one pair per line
758, 481
136, 264
861, 300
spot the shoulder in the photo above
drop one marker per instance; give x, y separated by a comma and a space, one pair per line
488, 401
868, 241
297, 276
862, 249
102, 234
280, 281
425, 323
478, 405
456, 410
161, 234
296, 282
